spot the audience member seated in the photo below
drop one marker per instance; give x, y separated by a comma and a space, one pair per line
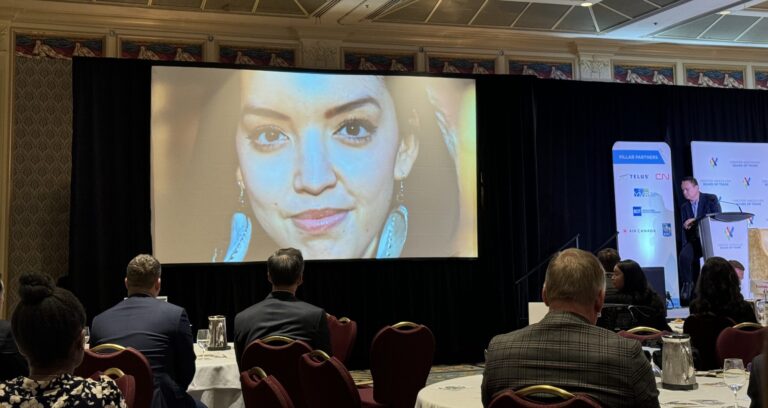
12, 363
281, 313
718, 292
158, 329
566, 349
718, 304
608, 257
755, 390
632, 288
48, 325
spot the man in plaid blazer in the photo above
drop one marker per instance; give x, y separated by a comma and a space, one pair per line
566, 349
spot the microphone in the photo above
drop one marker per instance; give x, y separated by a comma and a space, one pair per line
728, 202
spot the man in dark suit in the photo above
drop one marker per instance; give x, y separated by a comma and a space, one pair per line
756, 392
12, 363
158, 329
566, 349
697, 205
281, 313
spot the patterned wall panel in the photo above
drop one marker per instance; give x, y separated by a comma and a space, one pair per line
761, 78
40, 169
644, 73
460, 65
714, 77
56, 47
260, 57
541, 68
372, 60
161, 50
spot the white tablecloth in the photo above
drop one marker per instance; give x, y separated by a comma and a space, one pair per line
464, 392
217, 379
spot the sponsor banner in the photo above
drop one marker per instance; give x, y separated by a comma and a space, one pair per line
645, 207
737, 173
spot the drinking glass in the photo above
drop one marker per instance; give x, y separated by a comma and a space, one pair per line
86, 335
203, 340
734, 376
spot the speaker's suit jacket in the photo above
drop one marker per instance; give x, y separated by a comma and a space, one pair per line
566, 351
708, 204
162, 332
281, 314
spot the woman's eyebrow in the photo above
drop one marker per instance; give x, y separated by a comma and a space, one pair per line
351, 106
266, 112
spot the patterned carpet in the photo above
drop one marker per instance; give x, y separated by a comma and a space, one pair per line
437, 374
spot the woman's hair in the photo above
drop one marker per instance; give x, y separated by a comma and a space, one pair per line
47, 321
717, 290
636, 284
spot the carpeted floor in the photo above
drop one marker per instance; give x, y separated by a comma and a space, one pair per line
437, 374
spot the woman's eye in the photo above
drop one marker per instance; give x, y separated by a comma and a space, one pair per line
356, 131
267, 138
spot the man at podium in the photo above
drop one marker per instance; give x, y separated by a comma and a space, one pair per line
696, 206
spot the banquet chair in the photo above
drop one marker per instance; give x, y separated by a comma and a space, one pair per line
263, 391
279, 356
326, 382
129, 360
643, 334
126, 383
542, 396
748, 326
343, 333
739, 343
401, 357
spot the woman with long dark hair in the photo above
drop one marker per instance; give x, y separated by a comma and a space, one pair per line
718, 292
633, 289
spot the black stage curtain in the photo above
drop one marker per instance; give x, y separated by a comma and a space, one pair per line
544, 157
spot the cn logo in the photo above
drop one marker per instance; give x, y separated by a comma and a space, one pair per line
663, 176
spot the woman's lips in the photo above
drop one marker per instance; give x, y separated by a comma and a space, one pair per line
319, 221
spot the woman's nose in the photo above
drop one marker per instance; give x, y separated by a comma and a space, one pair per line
314, 170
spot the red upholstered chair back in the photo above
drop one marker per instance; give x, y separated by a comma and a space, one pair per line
126, 383
326, 382
130, 361
642, 334
743, 344
704, 330
509, 399
343, 334
279, 356
401, 357
262, 391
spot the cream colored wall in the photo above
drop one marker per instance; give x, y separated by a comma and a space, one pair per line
320, 44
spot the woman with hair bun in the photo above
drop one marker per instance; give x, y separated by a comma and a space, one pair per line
48, 326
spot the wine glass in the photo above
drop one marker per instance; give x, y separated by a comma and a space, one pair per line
86, 335
734, 376
203, 339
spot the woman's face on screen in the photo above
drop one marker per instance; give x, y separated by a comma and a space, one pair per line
318, 159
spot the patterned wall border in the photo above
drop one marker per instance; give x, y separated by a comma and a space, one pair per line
160, 49
715, 76
360, 59
439, 63
760, 75
546, 68
643, 73
266, 55
58, 45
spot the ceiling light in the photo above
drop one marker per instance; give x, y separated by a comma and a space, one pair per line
724, 12
587, 4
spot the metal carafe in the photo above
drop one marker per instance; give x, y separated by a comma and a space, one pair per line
677, 371
217, 326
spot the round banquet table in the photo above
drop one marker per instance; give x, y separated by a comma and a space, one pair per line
217, 380
464, 392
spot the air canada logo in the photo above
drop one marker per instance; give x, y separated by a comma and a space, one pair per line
642, 192
746, 181
713, 162
729, 232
